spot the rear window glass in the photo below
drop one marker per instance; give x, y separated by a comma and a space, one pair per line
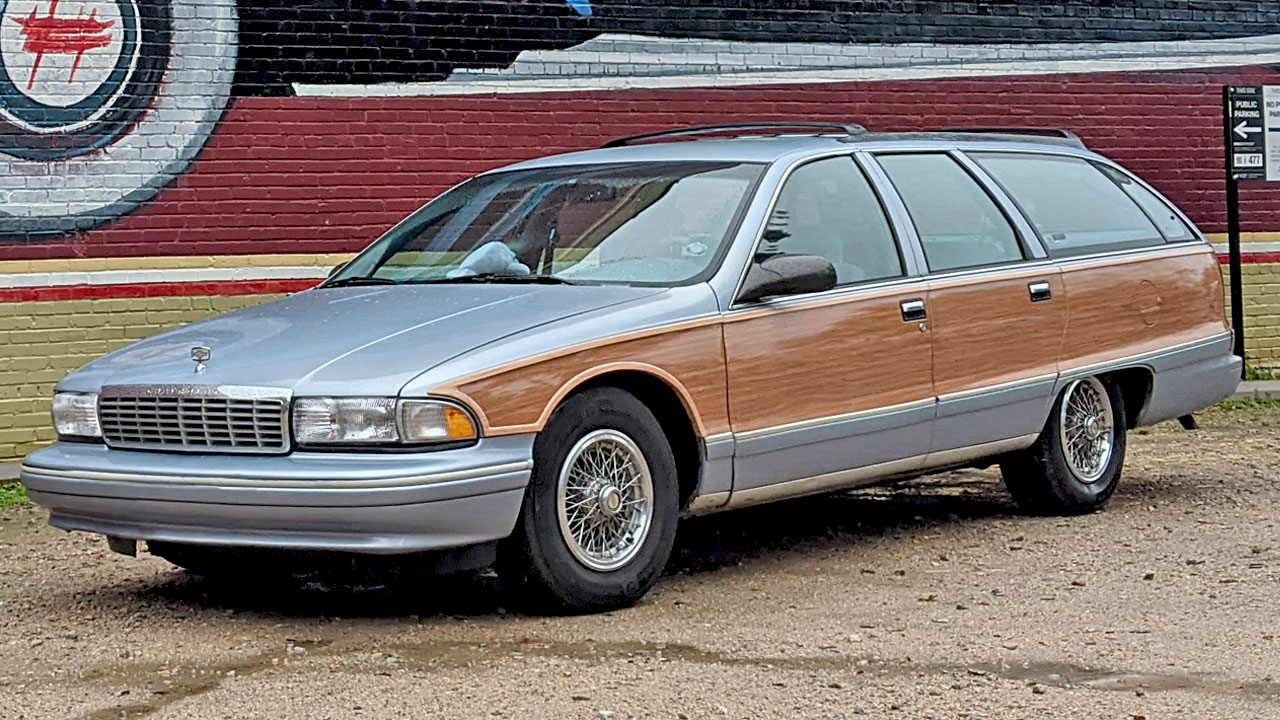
1172, 226
1074, 207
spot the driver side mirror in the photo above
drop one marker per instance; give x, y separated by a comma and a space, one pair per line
787, 275
336, 269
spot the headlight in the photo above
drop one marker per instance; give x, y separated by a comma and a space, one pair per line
75, 416
379, 421
344, 421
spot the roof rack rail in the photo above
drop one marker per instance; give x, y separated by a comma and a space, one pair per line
1048, 132
689, 132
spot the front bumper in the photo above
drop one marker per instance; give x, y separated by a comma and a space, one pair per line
383, 503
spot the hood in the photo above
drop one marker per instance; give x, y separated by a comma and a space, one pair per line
345, 341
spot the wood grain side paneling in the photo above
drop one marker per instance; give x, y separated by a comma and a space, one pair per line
520, 398
986, 330
792, 364
1128, 306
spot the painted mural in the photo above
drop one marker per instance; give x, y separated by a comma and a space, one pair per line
102, 103
105, 102
162, 160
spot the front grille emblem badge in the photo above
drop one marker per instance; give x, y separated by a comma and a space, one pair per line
201, 356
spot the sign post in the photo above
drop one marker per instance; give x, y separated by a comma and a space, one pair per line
1251, 155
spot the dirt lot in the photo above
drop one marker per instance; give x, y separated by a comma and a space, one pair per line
935, 599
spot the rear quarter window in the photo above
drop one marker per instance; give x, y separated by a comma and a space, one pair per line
1170, 224
1078, 207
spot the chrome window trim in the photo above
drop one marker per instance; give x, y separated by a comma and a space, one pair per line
390, 481
1171, 248
1064, 263
989, 271
758, 236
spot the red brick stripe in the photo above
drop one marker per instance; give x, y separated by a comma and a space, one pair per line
1253, 258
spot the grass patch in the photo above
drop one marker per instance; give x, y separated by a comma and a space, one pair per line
1248, 404
12, 495
1253, 373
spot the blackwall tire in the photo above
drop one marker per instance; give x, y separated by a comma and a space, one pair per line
1047, 478
541, 561
81, 145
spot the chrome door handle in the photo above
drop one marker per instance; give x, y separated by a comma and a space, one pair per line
913, 310
1040, 291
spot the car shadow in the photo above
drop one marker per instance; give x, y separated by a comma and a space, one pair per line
828, 522
768, 533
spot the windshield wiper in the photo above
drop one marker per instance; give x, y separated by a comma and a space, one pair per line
355, 281
496, 278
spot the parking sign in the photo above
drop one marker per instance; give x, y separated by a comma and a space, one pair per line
1248, 156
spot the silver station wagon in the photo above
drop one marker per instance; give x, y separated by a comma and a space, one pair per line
551, 364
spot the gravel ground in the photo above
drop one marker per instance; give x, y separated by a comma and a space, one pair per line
931, 599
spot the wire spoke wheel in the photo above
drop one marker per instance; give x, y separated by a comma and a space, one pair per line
604, 499
1087, 429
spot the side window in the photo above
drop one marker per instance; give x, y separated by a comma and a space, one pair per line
1171, 226
960, 226
1073, 206
827, 208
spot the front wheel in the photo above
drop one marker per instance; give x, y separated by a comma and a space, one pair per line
1075, 464
599, 517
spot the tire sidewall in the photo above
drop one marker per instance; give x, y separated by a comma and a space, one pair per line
547, 553
1091, 495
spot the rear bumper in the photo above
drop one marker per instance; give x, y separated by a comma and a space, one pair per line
1191, 379
355, 502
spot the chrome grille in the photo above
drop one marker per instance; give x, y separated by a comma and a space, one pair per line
195, 419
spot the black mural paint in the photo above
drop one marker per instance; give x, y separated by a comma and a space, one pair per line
898, 21
365, 41
369, 41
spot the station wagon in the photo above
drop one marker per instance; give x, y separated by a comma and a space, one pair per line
547, 367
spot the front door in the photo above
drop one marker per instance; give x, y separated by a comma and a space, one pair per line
825, 384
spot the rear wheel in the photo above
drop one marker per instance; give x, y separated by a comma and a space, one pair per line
1075, 464
599, 517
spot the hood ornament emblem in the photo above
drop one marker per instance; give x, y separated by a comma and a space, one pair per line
201, 356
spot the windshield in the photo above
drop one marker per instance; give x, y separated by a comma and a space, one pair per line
635, 223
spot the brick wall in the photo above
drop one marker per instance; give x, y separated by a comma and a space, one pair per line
40, 342
186, 156
1262, 314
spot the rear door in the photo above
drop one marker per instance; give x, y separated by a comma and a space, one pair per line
997, 313
825, 383
1138, 279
